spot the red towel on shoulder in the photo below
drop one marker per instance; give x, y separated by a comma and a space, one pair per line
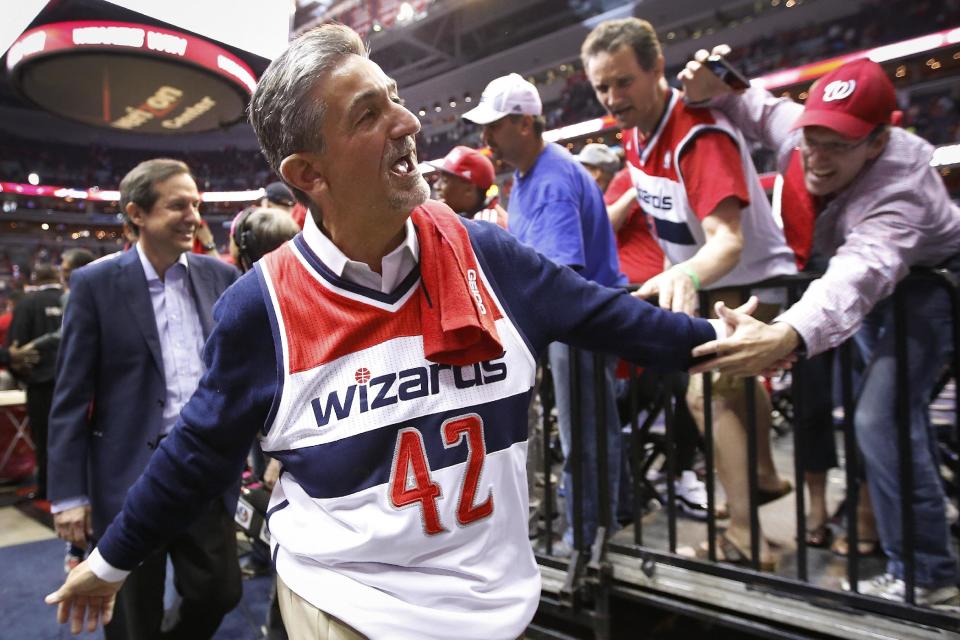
457, 313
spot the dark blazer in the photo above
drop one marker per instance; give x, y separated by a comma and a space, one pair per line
109, 393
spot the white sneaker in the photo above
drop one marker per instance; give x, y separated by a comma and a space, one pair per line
889, 587
691, 495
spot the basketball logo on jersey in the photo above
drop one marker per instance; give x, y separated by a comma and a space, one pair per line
666, 160
839, 90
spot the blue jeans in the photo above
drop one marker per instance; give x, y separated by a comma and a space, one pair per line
929, 344
559, 355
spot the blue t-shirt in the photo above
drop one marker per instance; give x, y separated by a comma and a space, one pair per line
557, 209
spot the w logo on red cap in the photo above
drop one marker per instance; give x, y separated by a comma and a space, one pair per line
839, 90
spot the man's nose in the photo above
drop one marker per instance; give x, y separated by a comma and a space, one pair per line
405, 124
608, 99
815, 156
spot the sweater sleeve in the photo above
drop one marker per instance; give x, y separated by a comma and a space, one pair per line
761, 117
551, 303
204, 454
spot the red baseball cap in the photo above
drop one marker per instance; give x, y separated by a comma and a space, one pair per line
852, 100
468, 164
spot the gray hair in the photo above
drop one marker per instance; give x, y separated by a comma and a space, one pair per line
138, 185
284, 112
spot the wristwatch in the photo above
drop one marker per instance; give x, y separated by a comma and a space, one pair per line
209, 247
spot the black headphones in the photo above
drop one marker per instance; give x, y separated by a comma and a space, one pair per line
244, 237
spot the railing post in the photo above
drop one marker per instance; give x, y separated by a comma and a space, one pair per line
799, 412
750, 390
576, 450
547, 469
850, 457
709, 478
603, 448
669, 434
905, 445
636, 452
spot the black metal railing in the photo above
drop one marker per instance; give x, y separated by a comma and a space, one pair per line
582, 574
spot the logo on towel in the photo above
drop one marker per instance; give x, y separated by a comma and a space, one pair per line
839, 90
475, 291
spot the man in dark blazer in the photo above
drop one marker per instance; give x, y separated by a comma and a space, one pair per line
39, 312
130, 358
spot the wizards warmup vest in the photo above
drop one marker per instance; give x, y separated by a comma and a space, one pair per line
655, 171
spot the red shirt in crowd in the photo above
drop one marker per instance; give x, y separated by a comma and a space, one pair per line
640, 255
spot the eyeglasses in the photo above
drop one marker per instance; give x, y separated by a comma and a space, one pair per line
835, 148
830, 148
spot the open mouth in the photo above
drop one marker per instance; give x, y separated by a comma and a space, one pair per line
405, 165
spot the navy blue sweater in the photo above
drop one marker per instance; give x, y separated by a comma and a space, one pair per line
205, 452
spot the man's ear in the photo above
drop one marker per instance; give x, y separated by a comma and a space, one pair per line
134, 214
300, 170
878, 144
526, 124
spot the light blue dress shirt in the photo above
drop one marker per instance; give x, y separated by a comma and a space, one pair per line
181, 336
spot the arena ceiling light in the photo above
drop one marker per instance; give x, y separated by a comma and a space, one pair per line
130, 77
405, 13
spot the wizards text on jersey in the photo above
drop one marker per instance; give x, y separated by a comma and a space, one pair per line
374, 392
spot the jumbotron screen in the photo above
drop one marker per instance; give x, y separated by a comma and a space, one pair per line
130, 77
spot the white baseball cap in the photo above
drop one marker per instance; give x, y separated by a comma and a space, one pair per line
506, 95
599, 155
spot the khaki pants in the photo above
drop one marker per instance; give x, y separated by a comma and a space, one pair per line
304, 621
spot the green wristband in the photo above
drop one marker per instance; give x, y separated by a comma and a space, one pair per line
693, 276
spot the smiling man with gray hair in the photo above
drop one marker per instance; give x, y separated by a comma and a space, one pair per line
385, 356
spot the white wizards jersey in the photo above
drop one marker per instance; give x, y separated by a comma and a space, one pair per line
402, 508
